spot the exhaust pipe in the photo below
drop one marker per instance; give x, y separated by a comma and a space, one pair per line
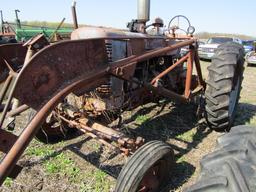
2, 21
143, 10
73, 9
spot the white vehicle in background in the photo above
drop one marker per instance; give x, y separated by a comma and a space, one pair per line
207, 50
250, 58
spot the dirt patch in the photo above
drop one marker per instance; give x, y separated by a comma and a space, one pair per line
83, 164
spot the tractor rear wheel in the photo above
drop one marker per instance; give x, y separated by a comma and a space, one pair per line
231, 167
224, 85
147, 170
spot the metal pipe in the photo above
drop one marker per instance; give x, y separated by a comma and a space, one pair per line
158, 90
5, 88
82, 124
150, 54
143, 10
18, 24
100, 132
16, 103
2, 22
29, 54
165, 72
73, 9
166, 93
17, 111
56, 30
101, 128
8, 103
199, 70
100, 140
189, 74
11, 158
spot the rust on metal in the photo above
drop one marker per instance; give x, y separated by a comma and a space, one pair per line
180, 61
199, 70
17, 111
103, 132
29, 132
7, 140
189, 74
5, 88
14, 54
80, 66
59, 64
98, 72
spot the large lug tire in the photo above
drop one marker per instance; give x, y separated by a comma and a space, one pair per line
148, 169
224, 86
231, 167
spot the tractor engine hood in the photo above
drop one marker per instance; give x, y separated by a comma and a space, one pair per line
102, 32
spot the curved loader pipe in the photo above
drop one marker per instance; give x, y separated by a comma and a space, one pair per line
50, 75
29, 132
53, 73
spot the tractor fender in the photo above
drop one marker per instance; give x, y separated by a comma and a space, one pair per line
57, 66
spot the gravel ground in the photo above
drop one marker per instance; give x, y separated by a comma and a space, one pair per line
83, 164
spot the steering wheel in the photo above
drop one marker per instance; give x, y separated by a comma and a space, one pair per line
172, 27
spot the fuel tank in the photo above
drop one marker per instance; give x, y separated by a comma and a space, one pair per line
103, 32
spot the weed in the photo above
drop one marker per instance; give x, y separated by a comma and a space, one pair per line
61, 164
8, 182
141, 119
187, 136
40, 151
100, 180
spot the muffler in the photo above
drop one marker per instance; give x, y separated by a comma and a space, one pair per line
143, 10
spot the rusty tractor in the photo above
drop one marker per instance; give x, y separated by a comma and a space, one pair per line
75, 84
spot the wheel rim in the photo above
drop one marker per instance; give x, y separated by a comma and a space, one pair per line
233, 97
152, 180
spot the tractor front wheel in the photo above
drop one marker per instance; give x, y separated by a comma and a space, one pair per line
224, 86
147, 170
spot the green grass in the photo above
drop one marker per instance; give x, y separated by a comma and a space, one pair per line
99, 182
62, 165
187, 136
40, 151
8, 182
141, 119
52, 163
96, 146
181, 159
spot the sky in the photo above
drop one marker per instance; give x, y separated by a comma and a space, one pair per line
225, 16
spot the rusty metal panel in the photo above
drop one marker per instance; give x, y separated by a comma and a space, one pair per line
102, 32
14, 54
58, 65
136, 46
155, 43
